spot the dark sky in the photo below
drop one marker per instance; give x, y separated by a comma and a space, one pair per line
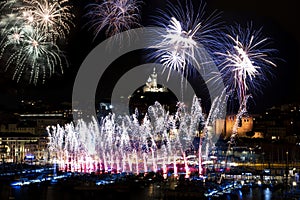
278, 18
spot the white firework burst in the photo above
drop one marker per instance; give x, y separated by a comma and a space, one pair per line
186, 32
29, 33
51, 16
245, 60
35, 55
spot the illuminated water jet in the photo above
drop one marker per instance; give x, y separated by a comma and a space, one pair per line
160, 143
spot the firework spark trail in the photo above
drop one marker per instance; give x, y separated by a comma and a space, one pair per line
11, 37
7, 4
244, 64
35, 55
186, 33
29, 31
54, 17
245, 61
113, 16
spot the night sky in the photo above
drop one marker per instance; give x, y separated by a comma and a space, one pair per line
279, 20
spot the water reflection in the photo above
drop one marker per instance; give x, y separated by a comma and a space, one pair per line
151, 191
267, 194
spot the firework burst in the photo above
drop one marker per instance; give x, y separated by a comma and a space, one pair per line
244, 63
113, 16
246, 60
53, 17
186, 33
29, 33
33, 55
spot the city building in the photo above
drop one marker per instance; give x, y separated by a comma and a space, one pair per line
17, 128
279, 122
42, 120
21, 147
244, 125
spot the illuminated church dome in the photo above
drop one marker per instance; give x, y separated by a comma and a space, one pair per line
151, 84
151, 92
